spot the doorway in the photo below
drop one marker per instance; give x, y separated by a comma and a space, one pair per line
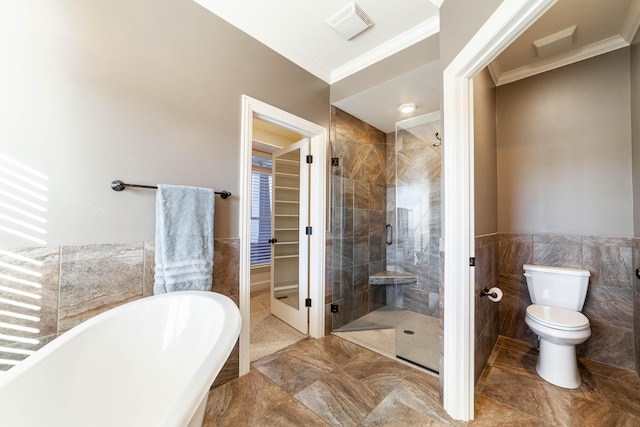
313, 289
279, 247
508, 21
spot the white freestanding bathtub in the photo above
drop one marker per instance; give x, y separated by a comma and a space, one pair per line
150, 362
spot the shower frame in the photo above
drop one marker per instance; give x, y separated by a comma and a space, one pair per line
408, 276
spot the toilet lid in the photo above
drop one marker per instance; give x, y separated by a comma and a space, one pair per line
557, 318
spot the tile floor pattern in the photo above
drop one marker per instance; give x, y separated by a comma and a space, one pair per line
334, 382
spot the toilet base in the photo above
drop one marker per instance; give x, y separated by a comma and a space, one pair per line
558, 365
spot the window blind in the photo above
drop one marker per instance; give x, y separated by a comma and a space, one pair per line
260, 211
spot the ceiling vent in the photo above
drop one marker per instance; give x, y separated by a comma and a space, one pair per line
557, 42
350, 21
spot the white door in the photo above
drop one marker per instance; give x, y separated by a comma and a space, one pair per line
289, 239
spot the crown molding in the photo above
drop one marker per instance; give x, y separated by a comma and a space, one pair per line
632, 22
557, 61
394, 45
495, 72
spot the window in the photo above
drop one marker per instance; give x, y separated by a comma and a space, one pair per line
260, 210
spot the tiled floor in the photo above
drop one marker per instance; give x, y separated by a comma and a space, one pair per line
334, 382
510, 390
397, 332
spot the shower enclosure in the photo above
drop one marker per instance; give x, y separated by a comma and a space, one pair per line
386, 233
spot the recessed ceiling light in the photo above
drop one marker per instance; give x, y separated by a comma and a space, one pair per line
407, 108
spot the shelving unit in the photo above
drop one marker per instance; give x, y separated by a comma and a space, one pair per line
286, 226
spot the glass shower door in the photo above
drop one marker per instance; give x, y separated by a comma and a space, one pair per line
418, 233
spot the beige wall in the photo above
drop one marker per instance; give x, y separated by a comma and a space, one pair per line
485, 167
635, 132
487, 322
564, 150
143, 91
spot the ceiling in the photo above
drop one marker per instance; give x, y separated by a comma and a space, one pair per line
298, 30
396, 60
601, 27
269, 138
378, 105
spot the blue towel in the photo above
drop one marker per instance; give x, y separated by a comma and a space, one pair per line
184, 239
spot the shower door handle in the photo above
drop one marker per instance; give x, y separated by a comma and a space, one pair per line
388, 230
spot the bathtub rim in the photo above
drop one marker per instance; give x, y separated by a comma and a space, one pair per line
195, 389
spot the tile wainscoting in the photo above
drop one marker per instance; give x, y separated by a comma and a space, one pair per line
76, 283
610, 299
487, 319
67, 285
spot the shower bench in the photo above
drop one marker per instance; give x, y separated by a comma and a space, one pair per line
392, 278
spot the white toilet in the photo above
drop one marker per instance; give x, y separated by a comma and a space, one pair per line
558, 295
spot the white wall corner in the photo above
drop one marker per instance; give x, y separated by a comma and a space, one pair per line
234, 15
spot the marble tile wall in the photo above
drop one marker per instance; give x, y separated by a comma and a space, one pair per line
358, 203
487, 320
46, 291
29, 300
96, 278
610, 299
372, 176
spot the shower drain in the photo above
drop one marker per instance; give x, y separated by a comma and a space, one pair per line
408, 332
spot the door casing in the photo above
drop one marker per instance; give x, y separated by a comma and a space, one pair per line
510, 19
317, 218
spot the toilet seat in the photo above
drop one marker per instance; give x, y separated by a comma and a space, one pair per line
557, 318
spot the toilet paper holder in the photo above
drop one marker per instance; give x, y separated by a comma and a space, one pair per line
485, 292
494, 294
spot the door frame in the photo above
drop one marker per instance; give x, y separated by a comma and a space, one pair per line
317, 219
508, 21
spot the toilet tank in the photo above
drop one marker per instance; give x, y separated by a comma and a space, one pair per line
557, 286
